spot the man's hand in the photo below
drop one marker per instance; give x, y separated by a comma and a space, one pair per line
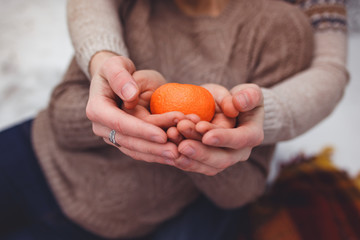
221, 148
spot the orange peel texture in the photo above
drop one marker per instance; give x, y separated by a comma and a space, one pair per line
185, 98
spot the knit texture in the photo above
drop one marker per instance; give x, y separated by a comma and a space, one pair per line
112, 195
280, 122
325, 15
95, 33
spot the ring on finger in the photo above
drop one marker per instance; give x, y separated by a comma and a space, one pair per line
112, 138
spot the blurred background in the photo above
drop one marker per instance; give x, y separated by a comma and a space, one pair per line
35, 50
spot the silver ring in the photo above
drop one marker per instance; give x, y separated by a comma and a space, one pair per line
112, 138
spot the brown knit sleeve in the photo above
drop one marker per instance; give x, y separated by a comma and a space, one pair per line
72, 129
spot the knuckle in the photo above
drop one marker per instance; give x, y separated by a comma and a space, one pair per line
227, 162
113, 67
211, 173
126, 63
222, 163
117, 76
241, 142
95, 130
257, 138
260, 138
246, 155
90, 113
119, 127
186, 165
135, 155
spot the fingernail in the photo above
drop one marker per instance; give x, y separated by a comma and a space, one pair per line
188, 151
169, 161
184, 162
128, 91
157, 139
243, 100
213, 141
168, 154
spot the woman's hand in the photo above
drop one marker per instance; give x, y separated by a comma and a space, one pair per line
221, 148
193, 128
138, 134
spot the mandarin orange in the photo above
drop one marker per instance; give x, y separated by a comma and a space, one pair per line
185, 98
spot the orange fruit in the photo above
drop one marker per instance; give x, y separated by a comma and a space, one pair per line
185, 98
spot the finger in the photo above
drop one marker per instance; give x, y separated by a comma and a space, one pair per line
247, 97
105, 112
222, 121
188, 130
148, 80
147, 157
167, 150
204, 126
165, 120
249, 132
174, 135
214, 157
118, 72
193, 117
219, 121
219, 92
236, 138
186, 164
228, 108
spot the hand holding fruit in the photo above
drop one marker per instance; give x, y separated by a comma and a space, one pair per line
221, 144
138, 134
201, 104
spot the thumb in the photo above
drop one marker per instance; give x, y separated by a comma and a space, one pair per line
118, 71
246, 97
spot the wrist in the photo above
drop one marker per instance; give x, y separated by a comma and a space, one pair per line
98, 59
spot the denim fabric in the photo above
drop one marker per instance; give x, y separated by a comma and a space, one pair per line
201, 220
29, 211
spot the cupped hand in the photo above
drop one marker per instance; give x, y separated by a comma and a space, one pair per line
193, 128
138, 134
221, 148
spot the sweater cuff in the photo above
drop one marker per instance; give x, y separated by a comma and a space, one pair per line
275, 117
91, 46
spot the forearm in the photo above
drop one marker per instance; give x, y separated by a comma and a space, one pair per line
300, 102
94, 26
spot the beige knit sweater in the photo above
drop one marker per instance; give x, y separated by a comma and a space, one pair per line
257, 41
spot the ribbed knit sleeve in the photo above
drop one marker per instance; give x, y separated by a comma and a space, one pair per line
94, 25
301, 101
66, 112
